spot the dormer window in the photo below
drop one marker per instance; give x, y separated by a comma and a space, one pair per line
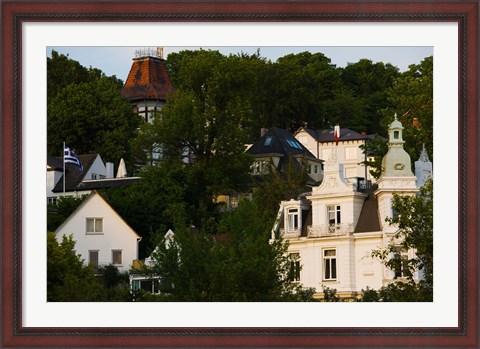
293, 220
268, 141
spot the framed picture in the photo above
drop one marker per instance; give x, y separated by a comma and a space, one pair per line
450, 28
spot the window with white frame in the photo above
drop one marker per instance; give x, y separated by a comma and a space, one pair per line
52, 200
117, 257
351, 153
334, 216
260, 167
93, 258
329, 264
294, 266
293, 220
94, 225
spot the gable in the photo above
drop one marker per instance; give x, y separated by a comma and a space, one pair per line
94, 206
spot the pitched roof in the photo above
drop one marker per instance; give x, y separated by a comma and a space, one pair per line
326, 135
55, 163
368, 220
279, 141
74, 179
73, 175
85, 202
148, 79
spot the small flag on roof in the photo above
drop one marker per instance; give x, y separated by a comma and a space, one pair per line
336, 133
71, 158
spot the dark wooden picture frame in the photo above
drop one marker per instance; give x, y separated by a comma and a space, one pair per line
14, 13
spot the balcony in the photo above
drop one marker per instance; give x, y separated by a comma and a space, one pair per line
329, 230
290, 234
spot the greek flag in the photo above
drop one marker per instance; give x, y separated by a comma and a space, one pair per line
71, 158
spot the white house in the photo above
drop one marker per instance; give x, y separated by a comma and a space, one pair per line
95, 175
344, 149
332, 230
101, 236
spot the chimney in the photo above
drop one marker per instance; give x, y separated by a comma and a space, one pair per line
109, 171
263, 131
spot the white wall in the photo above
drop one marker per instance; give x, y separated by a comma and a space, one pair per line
98, 167
117, 235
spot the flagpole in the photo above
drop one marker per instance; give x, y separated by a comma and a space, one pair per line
64, 173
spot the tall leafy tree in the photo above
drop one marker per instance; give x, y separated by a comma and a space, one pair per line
86, 110
68, 280
155, 204
414, 219
207, 116
239, 265
411, 97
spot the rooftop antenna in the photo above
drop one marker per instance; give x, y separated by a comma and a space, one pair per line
149, 52
160, 52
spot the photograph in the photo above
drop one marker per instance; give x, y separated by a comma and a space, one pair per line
240, 174
223, 174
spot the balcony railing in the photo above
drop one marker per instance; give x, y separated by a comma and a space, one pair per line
329, 230
290, 234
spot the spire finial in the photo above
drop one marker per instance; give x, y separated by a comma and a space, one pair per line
396, 116
424, 154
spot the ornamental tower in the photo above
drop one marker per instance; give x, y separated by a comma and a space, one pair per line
148, 84
397, 176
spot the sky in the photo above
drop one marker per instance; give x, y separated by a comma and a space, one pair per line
118, 60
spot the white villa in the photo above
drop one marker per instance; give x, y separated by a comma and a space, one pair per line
332, 230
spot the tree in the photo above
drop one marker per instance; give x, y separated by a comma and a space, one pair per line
415, 232
239, 265
376, 149
68, 280
271, 189
207, 116
57, 213
411, 97
86, 110
156, 203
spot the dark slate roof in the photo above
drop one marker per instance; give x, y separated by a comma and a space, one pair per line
148, 79
346, 134
73, 175
55, 163
74, 178
368, 220
281, 142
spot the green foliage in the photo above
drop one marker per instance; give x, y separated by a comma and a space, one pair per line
330, 294
57, 213
376, 149
238, 265
415, 222
86, 110
277, 186
411, 96
399, 292
156, 203
208, 116
68, 280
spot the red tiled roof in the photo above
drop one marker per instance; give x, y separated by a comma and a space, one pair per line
148, 79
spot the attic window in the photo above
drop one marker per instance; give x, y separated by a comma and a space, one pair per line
94, 225
294, 144
268, 141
